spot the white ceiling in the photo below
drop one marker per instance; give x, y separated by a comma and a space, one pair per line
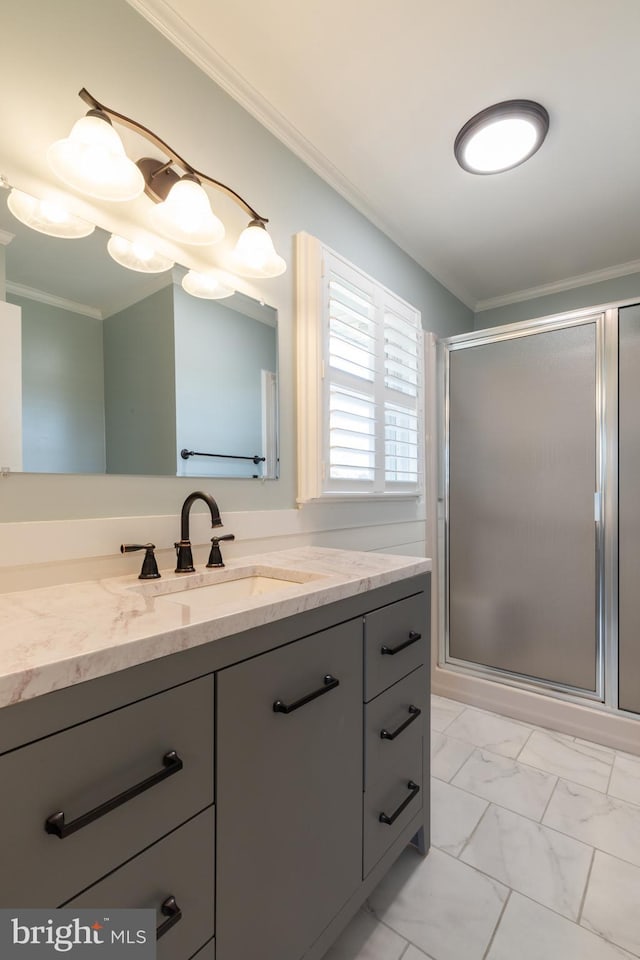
371, 94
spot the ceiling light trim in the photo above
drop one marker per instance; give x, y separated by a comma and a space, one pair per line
558, 286
172, 26
530, 111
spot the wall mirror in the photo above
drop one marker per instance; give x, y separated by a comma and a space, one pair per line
125, 373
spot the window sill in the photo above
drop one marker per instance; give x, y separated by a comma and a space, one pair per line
345, 497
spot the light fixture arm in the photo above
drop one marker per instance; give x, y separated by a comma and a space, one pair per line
165, 148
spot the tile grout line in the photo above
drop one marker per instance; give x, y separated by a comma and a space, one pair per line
544, 812
492, 879
586, 887
615, 756
524, 744
501, 806
495, 929
585, 843
469, 839
457, 771
461, 765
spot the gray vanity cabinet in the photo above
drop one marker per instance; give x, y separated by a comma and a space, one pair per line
80, 769
288, 805
179, 868
289, 794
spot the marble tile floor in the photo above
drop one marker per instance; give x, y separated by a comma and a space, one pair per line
535, 852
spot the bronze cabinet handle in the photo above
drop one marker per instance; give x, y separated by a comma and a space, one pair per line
56, 823
172, 912
415, 790
413, 638
414, 713
330, 683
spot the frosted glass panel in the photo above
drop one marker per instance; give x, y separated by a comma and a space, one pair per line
522, 569
629, 532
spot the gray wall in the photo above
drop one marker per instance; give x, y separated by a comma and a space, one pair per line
590, 295
140, 387
64, 45
219, 357
62, 390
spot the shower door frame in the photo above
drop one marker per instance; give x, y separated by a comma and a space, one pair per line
605, 319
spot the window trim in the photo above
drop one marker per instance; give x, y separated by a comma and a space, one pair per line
310, 381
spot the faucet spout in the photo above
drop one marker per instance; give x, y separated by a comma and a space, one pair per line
186, 509
183, 549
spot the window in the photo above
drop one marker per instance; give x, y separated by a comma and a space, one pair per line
360, 382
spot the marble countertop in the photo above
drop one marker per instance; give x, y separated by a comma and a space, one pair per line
55, 637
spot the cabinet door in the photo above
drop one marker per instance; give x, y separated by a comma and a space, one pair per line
289, 800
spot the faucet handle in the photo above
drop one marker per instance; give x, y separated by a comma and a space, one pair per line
149, 565
215, 557
184, 557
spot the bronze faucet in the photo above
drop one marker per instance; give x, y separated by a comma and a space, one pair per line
183, 548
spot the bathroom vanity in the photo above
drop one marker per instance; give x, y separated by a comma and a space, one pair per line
244, 750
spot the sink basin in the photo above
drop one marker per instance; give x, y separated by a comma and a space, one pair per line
205, 591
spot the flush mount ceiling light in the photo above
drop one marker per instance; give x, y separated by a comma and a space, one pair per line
47, 216
208, 286
138, 256
501, 137
92, 159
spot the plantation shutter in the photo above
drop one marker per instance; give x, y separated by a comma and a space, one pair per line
372, 390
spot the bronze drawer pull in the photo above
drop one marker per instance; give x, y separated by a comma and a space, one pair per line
172, 911
56, 824
330, 683
413, 638
415, 790
414, 714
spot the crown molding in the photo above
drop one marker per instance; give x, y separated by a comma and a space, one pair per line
172, 26
169, 23
558, 286
41, 296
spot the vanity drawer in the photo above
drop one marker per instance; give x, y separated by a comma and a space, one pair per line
395, 639
84, 767
399, 713
180, 866
396, 798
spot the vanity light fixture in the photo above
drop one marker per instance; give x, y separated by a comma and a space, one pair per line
208, 286
92, 159
255, 254
186, 215
47, 216
138, 256
501, 136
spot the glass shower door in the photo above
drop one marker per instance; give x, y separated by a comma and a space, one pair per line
523, 465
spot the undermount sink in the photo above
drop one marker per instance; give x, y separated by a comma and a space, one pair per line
224, 586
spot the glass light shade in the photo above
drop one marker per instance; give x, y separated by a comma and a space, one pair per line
254, 254
501, 136
47, 216
186, 215
137, 256
93, 161
208, 286
500, 145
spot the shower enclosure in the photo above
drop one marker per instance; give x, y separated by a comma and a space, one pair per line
529, 487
